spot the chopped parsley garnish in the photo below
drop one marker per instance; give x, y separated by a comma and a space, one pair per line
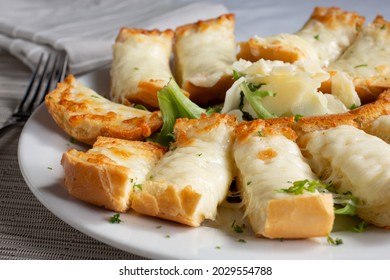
200, 154
299, 187
361, 65
353, 106
238, 228
95, 96
260, 133
334, 241
241, 240
345, 203
50, 168
167, 236
317, 37
297, 117
115, 219
218, 247
135, 186
383, 27
360, 227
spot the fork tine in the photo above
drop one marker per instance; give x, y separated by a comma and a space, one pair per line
30, 86
58, 72
45, 75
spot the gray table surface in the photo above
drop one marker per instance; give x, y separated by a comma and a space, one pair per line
27, 229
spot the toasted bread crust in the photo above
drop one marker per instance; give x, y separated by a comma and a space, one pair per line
100, 180
299, 217
81, 113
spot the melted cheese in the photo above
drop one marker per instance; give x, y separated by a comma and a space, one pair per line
354, 161
267, 164
140, 57
205, 54
138, 157
367, 56
327, 42
203, 162
381, 128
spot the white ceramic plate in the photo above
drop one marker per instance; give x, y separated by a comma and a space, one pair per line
40, 149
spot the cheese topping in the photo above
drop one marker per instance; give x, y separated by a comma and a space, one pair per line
328, 43
353, 160
368, 56
381, 128
205, 55
262, 177
140, 58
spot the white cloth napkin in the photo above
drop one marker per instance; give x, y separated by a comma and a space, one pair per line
87, 29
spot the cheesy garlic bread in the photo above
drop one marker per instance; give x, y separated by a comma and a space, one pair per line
140, 65
110, 172
192, 179
85, 115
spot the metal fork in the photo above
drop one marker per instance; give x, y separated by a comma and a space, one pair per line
48, 73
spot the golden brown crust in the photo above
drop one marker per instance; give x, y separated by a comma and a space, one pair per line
299, 217
79, 115
275, 126
360, 117
171, 204
84, 180
332, 17
98, 179
125, 33
186, 128
202, 25
252, 50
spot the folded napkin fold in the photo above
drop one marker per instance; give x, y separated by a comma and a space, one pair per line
87, 29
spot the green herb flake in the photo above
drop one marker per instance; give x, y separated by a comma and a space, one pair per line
297, 117
241, 240
238, 228
383, 27
353, 106
299, 187
218, 247
360, 227
334, 241
361, 65
50, 168
199, 155
135, 68
167, 236
115, 219
159, 226
95, 96
317, 37
260, 133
